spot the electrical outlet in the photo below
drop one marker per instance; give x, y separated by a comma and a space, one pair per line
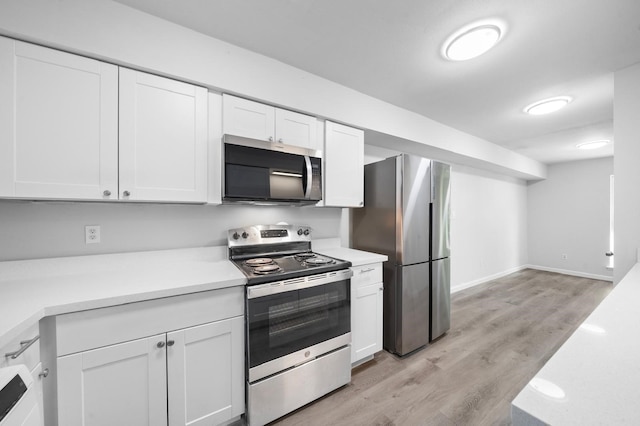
564, 256
92, 234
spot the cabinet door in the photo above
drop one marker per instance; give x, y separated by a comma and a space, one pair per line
343, 166
366, 321
297, 129
163, 139
123, 384
242, 117
205, 367
58, 124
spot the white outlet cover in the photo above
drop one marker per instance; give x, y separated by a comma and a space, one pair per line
92, 234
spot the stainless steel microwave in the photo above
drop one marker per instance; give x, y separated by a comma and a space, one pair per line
260, 172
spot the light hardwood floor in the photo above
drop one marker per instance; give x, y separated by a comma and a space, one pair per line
502, 333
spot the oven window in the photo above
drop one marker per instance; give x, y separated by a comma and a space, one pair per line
283, 323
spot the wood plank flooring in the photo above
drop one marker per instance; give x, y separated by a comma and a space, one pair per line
502, 333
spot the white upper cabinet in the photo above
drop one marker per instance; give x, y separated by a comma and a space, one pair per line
58, 124
242, 117
71, 128
293, 128
343, 166
163, 139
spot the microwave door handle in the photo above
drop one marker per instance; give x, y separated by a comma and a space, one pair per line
309, 177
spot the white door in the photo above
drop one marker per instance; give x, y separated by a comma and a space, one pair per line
205, 366
123, 384
366, 321
297, 129
343, 166
163, 139
58, 124
242, 117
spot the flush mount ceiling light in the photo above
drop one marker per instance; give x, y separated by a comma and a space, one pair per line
472, 40
593, 144
547, 106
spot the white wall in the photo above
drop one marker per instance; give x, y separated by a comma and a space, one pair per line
569, 214
488, 223
488, 226
116, 33
30, 230
626, 129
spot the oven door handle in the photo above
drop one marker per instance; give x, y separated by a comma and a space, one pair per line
308, 281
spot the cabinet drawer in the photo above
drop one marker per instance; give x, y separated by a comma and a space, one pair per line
81, 331
366, 274
30, 357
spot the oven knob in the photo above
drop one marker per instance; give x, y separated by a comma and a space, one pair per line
307, 232
300, 231
245, 235
235, 235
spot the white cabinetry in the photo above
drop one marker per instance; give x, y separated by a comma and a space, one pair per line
163, 139
136, 364
242, 117
71, 128
343, 166
366, 312
58, 124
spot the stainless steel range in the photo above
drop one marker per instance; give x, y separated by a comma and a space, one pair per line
297, 318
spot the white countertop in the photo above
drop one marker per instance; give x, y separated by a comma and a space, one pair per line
597, 368
33, 289
356, 257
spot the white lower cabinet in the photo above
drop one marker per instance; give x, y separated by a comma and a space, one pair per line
180, 371
116, 385
205, 375
366, 312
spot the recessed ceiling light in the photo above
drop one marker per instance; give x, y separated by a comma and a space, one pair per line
472, 40
547, 106
593, 144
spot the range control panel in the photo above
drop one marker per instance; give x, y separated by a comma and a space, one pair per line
268, 234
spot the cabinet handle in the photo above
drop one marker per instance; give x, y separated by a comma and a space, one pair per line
106, 193
24, 345
170, 342
381, 288
367, 270
44, 373
126, 193
270, 138
280, 140
160, 344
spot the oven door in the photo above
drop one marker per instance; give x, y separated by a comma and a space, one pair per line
292, 322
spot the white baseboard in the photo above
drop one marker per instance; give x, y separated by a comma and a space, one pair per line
568, 272
483, 280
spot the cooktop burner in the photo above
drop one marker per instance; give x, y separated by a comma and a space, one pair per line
259, 261
266, 269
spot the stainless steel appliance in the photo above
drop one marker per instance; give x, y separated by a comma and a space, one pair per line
406, 216
297, 318
260, 172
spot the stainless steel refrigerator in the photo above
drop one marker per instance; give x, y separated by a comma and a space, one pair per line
406, 217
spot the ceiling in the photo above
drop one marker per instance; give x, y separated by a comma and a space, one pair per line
391, 50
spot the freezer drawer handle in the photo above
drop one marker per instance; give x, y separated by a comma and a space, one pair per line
24, 345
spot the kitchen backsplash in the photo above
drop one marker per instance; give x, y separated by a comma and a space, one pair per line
39, 229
